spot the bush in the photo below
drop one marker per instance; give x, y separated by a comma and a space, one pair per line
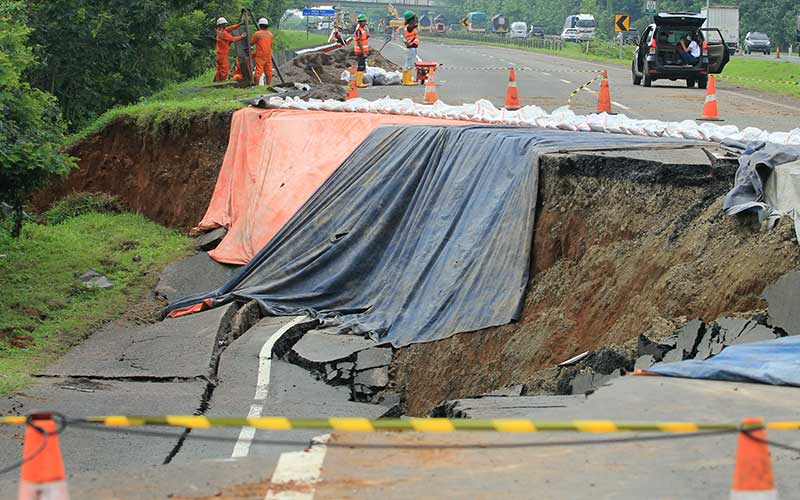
82, 203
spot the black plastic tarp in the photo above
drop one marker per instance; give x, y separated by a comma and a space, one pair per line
423, 232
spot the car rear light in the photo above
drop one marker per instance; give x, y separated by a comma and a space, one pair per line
705, 47
653, 46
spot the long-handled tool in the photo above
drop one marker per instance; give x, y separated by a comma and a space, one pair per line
274, 63
375, 57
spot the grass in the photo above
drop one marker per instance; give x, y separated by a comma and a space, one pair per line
757, 74
768, 76
177, 104
44, 309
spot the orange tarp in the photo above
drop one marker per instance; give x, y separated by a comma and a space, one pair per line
275, 161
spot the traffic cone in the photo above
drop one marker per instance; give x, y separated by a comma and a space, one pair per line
352, 90
512, 96
710, 111
752, 477
43, 475
778, 53
604, 97
430, 91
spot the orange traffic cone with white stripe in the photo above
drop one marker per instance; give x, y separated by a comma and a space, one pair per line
604, 97
43, 476
710, 110
352, 89
430, 91
752, 477
512, 95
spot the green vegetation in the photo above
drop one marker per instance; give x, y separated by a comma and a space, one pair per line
76, 204
30, 125
775, 17
98, 54
178, 103
44, 309
764, 75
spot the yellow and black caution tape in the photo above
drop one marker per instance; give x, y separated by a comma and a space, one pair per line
582, 87
417, 424
748, 79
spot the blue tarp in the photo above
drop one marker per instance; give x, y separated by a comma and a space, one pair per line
775, 362
422, 233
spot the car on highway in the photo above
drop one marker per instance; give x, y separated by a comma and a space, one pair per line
657, 54
628, 37
756, 41
570, 35
536, 32
518, 30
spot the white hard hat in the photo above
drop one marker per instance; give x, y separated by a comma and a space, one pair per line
222, 20
263, 20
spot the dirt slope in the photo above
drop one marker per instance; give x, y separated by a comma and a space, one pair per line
168, 176
621, 247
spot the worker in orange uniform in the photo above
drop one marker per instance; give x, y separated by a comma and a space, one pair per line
362, 49
412, 44
262, 41
224, 41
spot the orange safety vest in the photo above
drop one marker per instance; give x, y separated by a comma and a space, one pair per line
262, 40
224, 40
362, 40
412, 38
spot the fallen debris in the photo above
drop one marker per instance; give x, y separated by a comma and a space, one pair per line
782, 298
210, 240
94, 279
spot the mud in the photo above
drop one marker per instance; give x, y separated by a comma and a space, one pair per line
621, 248
168, 175
323, 71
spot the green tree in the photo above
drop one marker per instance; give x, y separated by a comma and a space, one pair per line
31, 128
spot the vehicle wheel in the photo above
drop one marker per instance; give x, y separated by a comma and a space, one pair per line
747, 52
636, 79
702, 82
766, 53
690, 83
647, 80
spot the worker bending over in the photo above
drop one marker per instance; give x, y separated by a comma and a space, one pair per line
361, 49
412, 43
262, 41
224, 41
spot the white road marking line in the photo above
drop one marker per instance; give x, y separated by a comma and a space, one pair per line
615, 103
246, 434
565, 81
591, 91
546, 74
297, 472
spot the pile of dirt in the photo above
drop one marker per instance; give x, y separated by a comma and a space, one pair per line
323, 71
167, 175
621, 247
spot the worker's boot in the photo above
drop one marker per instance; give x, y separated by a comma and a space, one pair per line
407, 77
360, 80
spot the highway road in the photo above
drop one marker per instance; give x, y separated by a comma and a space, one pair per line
546, 80
176, 367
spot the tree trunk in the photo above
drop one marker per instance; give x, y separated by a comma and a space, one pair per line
19, 214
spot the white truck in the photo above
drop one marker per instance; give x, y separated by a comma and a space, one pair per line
726, 20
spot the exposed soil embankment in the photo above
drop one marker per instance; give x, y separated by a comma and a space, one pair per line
167, 175
622, 247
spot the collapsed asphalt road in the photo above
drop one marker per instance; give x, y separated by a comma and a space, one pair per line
547, 81
216, 363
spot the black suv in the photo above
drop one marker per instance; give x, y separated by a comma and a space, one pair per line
657, 56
